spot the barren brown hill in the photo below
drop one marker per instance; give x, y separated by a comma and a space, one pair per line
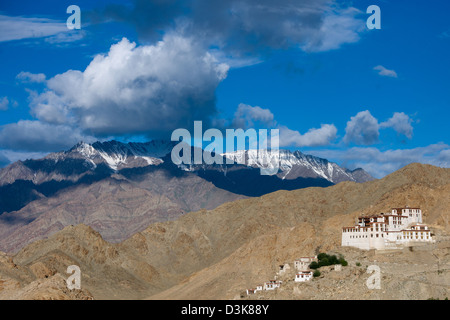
217, 254
116, 207
105, 272
258, 259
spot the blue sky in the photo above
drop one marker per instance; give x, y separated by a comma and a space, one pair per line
137, 70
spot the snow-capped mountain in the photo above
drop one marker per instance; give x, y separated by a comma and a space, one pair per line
297, 164
114, 156
86, 159
26, 181
117, 155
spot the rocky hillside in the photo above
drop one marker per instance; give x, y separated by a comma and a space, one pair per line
119, 189
116, 207
217, 254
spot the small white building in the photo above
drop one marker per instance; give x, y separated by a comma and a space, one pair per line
255, 290
302, 266
401, 227
302, 263
303, 276
272, 285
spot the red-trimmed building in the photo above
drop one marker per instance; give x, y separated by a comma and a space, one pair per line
401, 227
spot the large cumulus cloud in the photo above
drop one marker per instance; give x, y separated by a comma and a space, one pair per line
401, 123
364, 128
133, 89
170, 80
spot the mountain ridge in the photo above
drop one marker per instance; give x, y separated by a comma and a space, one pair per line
88, 163
119, 189
117, 155
217, 254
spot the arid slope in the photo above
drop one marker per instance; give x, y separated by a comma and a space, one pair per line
217, 254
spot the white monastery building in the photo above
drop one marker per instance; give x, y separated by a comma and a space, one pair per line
401, 227
303, 276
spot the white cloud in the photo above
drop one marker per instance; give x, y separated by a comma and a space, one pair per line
314, 137
63, 38
133, 89
380, 163
28, 77
401, 123
247, 28
315, 25
385, 72
50, 107
362, 129
10, 156
5, 103
36, 136
17, 28
338, 27
246, 116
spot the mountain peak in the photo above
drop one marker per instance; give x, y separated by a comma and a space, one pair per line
297, 164
117, 155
